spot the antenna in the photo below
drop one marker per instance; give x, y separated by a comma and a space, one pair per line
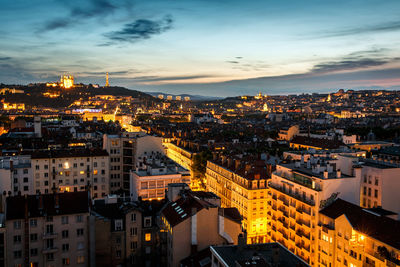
107, 83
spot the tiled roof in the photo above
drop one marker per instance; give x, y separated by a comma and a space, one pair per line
67, 153
317, 142
178, 211
47, 205
363, 221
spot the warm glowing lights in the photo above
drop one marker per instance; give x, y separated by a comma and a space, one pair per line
66, 165
147, 237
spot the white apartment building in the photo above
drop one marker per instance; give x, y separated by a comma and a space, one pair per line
16, 175
70, 171
153, 174
48, 230
299, 190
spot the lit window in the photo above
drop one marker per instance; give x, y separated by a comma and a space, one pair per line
147, 237
95, 172
82, 172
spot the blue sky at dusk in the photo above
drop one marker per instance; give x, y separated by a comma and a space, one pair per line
218, 48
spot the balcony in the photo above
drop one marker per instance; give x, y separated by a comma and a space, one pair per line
50, 235
49, 250
294, 195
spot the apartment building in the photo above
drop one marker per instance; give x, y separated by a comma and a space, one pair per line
379, 185
193, 224
48, 230
299, 190
125, 149
70, 171
242, 185
152, 175
118, 230
181, 156
16, 175
349, 235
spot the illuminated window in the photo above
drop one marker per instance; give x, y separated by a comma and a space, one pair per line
148, 237
95, 172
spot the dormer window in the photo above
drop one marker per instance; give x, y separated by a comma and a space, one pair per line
118, 225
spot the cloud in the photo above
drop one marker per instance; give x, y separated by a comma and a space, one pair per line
80, 11
348, 65
233, 62
380, 28
169, 78
141, 29
4, 58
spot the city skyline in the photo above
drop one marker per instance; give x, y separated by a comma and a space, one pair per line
221, 48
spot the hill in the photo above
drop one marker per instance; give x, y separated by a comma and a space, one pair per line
33, 94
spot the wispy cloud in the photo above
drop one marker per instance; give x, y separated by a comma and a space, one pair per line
4, 58
80, 11
343, 65
169, 78
141, 29
378, 28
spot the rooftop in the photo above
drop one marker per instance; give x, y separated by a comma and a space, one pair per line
363, 221
272, 254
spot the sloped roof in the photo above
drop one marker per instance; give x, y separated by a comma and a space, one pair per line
381, 228
47, 205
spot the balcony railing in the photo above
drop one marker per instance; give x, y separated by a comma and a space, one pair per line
294, 195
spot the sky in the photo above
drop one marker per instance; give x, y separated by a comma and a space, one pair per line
204, 47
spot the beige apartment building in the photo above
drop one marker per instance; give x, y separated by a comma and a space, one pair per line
242, 186
193, 224
299, 190
48, 230
70, 171
349, 235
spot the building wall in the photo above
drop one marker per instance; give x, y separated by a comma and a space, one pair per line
77, 254
238, 192
72, 174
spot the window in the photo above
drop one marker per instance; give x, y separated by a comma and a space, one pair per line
64, 219
17, 254
25, 179
33, 222
365, 190
376, 193
79, 232
80, 246
49, 243
65, 261
46, 167
369, 192
64, 234
49, 228
80, 259
376, 181
134, 245
17, 225
65, 247
75, 165
147, 237
133, 231
25, 171
34, 252
50, 257
147, 222
79, 218
118, 254
118, 225
33, 237
37, 167
17, 239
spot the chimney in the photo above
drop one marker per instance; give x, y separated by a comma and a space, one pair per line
237, 164
193, 247
338, 173
275, 255
230, 162
326, 174
241, 242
